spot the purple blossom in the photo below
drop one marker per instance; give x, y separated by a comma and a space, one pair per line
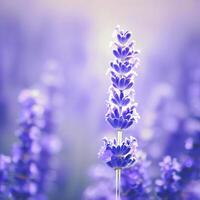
136, 182
168, 185
26, 151
119, 156
37, 142
191, 161
121, 105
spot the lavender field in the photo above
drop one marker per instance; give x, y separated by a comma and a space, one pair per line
99, 100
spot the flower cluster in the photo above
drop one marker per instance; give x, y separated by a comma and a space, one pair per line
192, 146
136, 182
191, 163
5, 162
121, 105
168, 186
26, 151
119, 156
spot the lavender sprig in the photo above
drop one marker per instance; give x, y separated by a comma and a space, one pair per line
121, 105
26, 151
168, 186
191, 161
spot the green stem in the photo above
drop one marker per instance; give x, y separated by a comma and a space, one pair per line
118, 171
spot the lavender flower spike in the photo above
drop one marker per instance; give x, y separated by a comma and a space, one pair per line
168, 186
26, 151
119, 156
121, 105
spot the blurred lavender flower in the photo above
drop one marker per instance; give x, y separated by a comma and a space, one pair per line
136, 182
119, 156
191, 161
37, 143
163, 125
121, 105
168, 186
5, 162
49, 142
26, 151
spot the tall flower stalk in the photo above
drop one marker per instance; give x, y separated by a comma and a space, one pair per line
26, 151
121, 105
36, 144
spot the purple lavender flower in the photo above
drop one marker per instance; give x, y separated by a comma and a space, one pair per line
192, 146
26, 151
37, 142
121, 113
136, 182
121, 105
5, 162
168, 186
191, 162
119, 156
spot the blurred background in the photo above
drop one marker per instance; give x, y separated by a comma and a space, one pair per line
74, 36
